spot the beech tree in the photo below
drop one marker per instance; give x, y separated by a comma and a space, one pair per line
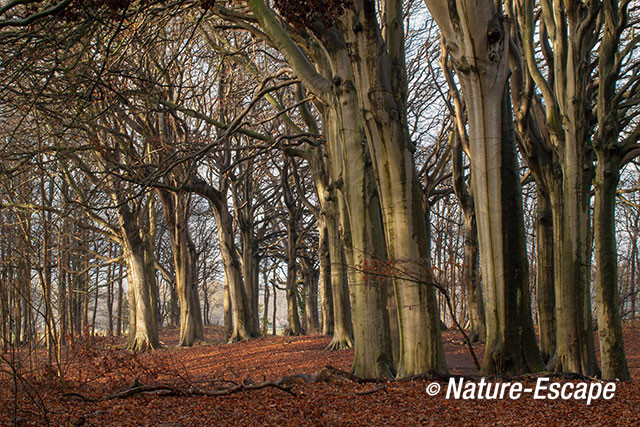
477, 40
615, 144
421, 346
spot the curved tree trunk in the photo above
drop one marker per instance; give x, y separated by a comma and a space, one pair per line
143, 324
241, 317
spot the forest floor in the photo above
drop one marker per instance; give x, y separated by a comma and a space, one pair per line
99, 389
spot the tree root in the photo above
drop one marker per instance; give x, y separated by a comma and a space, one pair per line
337, 344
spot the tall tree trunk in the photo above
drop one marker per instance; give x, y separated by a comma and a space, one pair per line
362, 235
241, 317
471, 258
343, 326
575, 350
545, 292
176, 210
476, 37
567, 36
400, 194
611, 155
294, 327
326, 295
612, 355
143, 330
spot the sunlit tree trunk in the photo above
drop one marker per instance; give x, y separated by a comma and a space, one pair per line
143, 330
358, 206
399, 191
176, 212
476, 37
241, 318
362, 234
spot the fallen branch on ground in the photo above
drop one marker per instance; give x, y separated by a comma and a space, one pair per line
170, 390
328, 374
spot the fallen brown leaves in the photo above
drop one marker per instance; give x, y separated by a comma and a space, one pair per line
186, 380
